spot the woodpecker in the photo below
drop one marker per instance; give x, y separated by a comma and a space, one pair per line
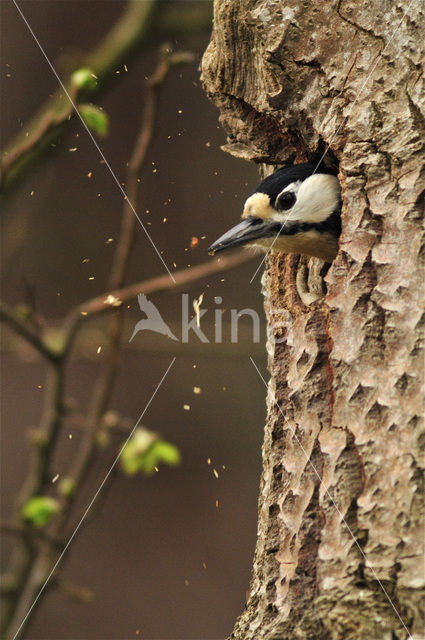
297, 209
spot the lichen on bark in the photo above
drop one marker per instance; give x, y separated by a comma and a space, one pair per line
340, 533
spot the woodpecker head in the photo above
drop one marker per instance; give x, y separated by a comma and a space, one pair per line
295, 210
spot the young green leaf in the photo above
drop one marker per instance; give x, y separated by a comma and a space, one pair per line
144, 452
96, 119
40, 510
132, 457
167, 453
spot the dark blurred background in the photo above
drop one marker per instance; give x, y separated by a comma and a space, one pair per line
161, 558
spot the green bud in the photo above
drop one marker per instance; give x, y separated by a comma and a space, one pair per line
96, 119
84, 79
102, 439
54, 339
66, 487
110, 419
23, 311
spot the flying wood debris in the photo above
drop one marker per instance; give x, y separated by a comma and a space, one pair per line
113, 301
197, 308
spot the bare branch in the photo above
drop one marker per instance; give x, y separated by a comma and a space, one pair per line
26, 331
21, 530
140, 23
74, 591
105, 302
35, 567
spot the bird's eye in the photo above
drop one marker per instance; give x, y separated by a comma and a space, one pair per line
285, 201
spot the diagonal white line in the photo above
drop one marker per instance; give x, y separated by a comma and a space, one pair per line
93, 140
345, 118
331, 499
93, 499
271, 246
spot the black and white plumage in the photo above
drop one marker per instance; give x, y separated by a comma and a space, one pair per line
296, 210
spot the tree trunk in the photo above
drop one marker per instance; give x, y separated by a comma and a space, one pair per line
340, 513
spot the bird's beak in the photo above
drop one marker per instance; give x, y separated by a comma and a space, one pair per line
249, 230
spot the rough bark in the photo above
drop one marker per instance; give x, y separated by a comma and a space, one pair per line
348, 370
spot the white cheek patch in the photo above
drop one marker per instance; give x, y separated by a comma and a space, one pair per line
282, 216
258, 205
317, 198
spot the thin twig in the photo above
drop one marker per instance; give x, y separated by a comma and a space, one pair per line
55, 114
123, 426
106, 301
103, 389
74, 591
26, 330
34, 567
14, 529
140, 24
